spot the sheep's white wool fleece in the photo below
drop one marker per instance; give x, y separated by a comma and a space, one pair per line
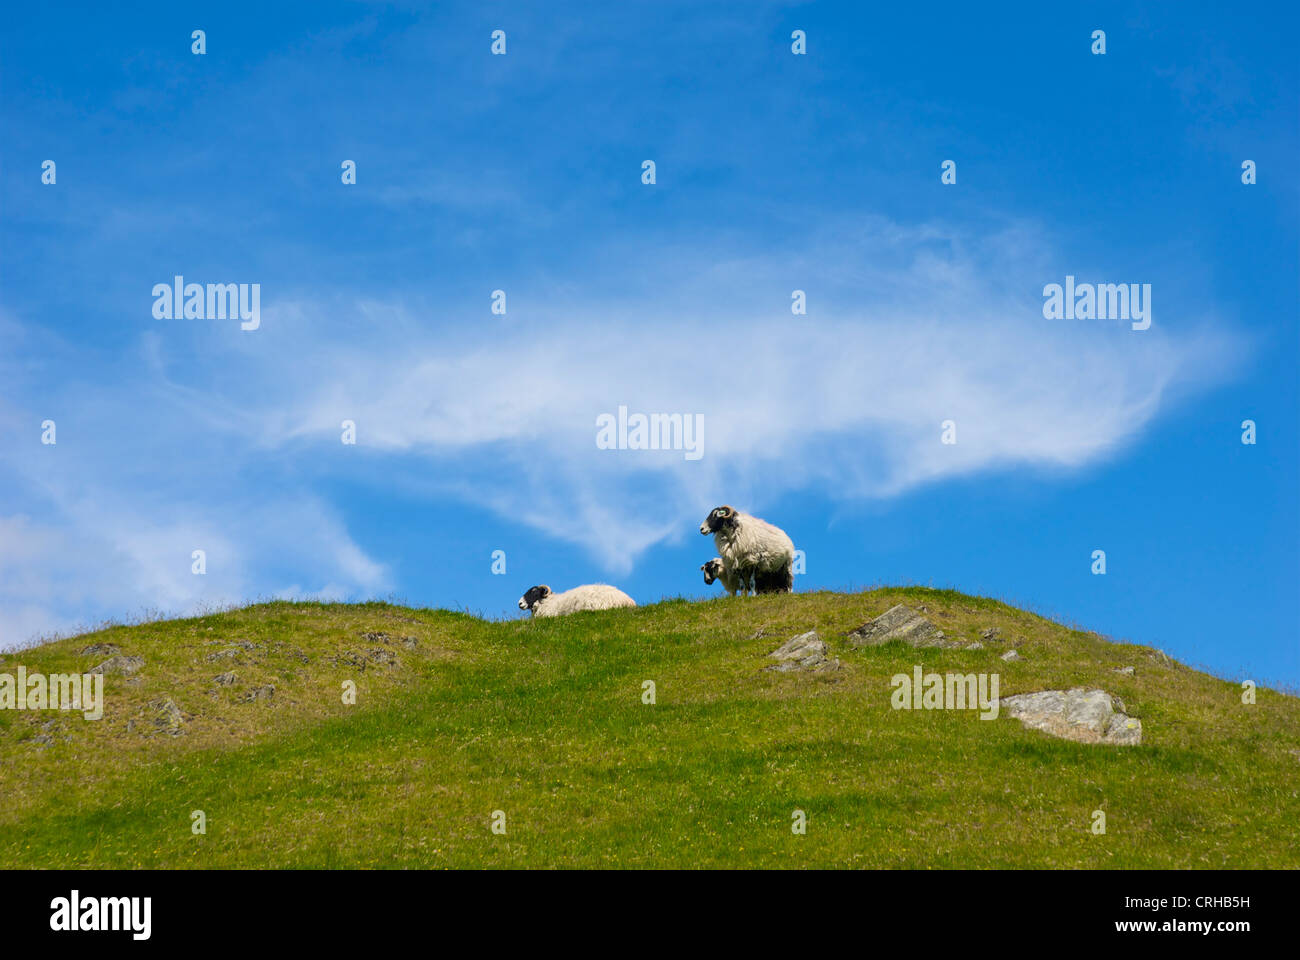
754, 545
591, 596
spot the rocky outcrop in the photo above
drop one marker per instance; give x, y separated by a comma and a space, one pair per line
900, 623
410, 643
1079, 714
119, 665
807, 651
234, 653
159, 716
264, 692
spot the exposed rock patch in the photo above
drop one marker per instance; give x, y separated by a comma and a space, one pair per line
159, 716
359, 661
225, 679
1011, 656
1079, 714
49, 730
410, 643
119, 665
807, 651
234, 651
900, 623
1127, 671
349, 658
264, 692
100, 650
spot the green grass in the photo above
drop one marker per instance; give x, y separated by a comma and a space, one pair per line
544, 720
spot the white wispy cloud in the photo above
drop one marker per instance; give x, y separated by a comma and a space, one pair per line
103, 523
210, 438
909, 327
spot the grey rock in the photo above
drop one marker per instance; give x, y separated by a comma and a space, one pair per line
900, 623
974, 646
349, 658
1011, 656
100, 650
119, 665
1127, 671
264, 692
225, 679
234, 651
990, 633
1079, 714
162, 716
410, 643
807, 651
51, 729
380, 655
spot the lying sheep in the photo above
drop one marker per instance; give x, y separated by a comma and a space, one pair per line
760, 555
715, 569
541, 602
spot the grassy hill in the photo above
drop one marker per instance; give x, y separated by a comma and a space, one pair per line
457, 717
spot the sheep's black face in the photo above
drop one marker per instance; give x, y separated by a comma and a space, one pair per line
720, 518
712, 570
534, 596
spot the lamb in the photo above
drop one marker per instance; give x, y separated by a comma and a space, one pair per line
540, 601
760, 555
715, 569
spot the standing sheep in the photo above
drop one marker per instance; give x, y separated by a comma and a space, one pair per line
760, 555
541, 602
715, 569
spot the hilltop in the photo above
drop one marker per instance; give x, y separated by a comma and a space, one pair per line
240, 715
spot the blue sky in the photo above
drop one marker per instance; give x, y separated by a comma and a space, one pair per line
774, 173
